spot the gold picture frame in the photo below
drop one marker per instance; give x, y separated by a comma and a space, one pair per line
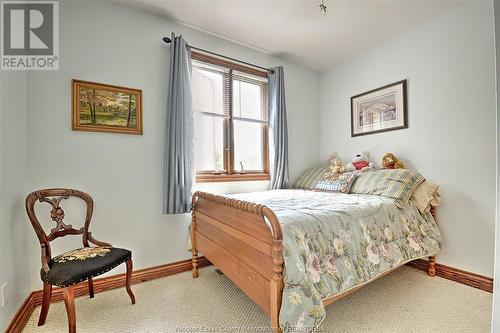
99, 107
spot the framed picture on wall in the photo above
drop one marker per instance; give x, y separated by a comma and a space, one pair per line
98, 107
379, 110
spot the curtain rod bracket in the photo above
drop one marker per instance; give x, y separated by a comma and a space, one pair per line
168, 40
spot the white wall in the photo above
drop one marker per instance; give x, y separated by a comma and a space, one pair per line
113, 44
450, 66
495, 325
15, 254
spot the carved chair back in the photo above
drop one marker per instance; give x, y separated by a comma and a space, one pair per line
54, 198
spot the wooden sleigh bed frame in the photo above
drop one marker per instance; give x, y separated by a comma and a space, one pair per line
234, 236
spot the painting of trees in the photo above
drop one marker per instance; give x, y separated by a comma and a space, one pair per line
106, 106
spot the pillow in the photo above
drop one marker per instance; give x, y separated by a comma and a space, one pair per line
311, 177
340, 182
397, 184
425, 195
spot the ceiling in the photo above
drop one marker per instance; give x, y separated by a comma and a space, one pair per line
296, 29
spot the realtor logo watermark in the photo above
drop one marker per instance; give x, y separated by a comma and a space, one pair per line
30, 35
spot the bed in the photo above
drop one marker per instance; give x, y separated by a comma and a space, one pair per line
330, 245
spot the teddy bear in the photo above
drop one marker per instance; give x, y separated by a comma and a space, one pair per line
390, 161
360, 161
336, 166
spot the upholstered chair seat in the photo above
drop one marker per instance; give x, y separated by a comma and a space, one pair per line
79, 265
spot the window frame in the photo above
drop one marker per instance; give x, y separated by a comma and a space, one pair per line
231, 174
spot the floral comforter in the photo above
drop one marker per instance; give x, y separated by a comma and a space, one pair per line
334, 242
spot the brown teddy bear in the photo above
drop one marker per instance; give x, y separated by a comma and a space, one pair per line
390, 161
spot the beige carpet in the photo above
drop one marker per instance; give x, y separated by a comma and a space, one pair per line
404, 301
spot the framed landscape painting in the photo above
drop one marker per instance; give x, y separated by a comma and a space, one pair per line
379, 110
99, 107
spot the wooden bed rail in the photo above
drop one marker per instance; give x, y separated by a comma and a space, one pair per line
245, 206
245, 241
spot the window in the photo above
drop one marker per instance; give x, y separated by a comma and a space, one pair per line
231, 120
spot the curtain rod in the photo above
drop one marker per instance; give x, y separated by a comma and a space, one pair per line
168, 40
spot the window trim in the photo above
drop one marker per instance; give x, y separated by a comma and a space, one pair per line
231, 175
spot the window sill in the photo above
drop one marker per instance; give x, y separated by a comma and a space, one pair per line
208, 178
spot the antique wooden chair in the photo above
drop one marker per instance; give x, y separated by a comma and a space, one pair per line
70, 268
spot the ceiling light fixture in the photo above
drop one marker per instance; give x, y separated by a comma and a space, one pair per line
322, 7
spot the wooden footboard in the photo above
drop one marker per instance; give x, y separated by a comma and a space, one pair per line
244, 240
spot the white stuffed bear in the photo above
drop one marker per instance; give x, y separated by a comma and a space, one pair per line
361, 161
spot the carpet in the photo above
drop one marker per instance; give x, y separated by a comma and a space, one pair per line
406, 300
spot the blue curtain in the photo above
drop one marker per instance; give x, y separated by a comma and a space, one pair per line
278, 133
179, 172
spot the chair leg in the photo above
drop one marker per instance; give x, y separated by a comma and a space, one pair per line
127, 281
91, 288
47, 294
69, 302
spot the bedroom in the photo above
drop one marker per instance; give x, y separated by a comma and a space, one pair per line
444, 50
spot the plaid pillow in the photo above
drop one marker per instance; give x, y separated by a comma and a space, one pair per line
340, 182
312, 176
397, 184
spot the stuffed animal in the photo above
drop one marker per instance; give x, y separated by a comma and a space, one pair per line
389, 161
361, 161
336, 166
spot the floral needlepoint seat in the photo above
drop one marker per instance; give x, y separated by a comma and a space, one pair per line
81, 264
